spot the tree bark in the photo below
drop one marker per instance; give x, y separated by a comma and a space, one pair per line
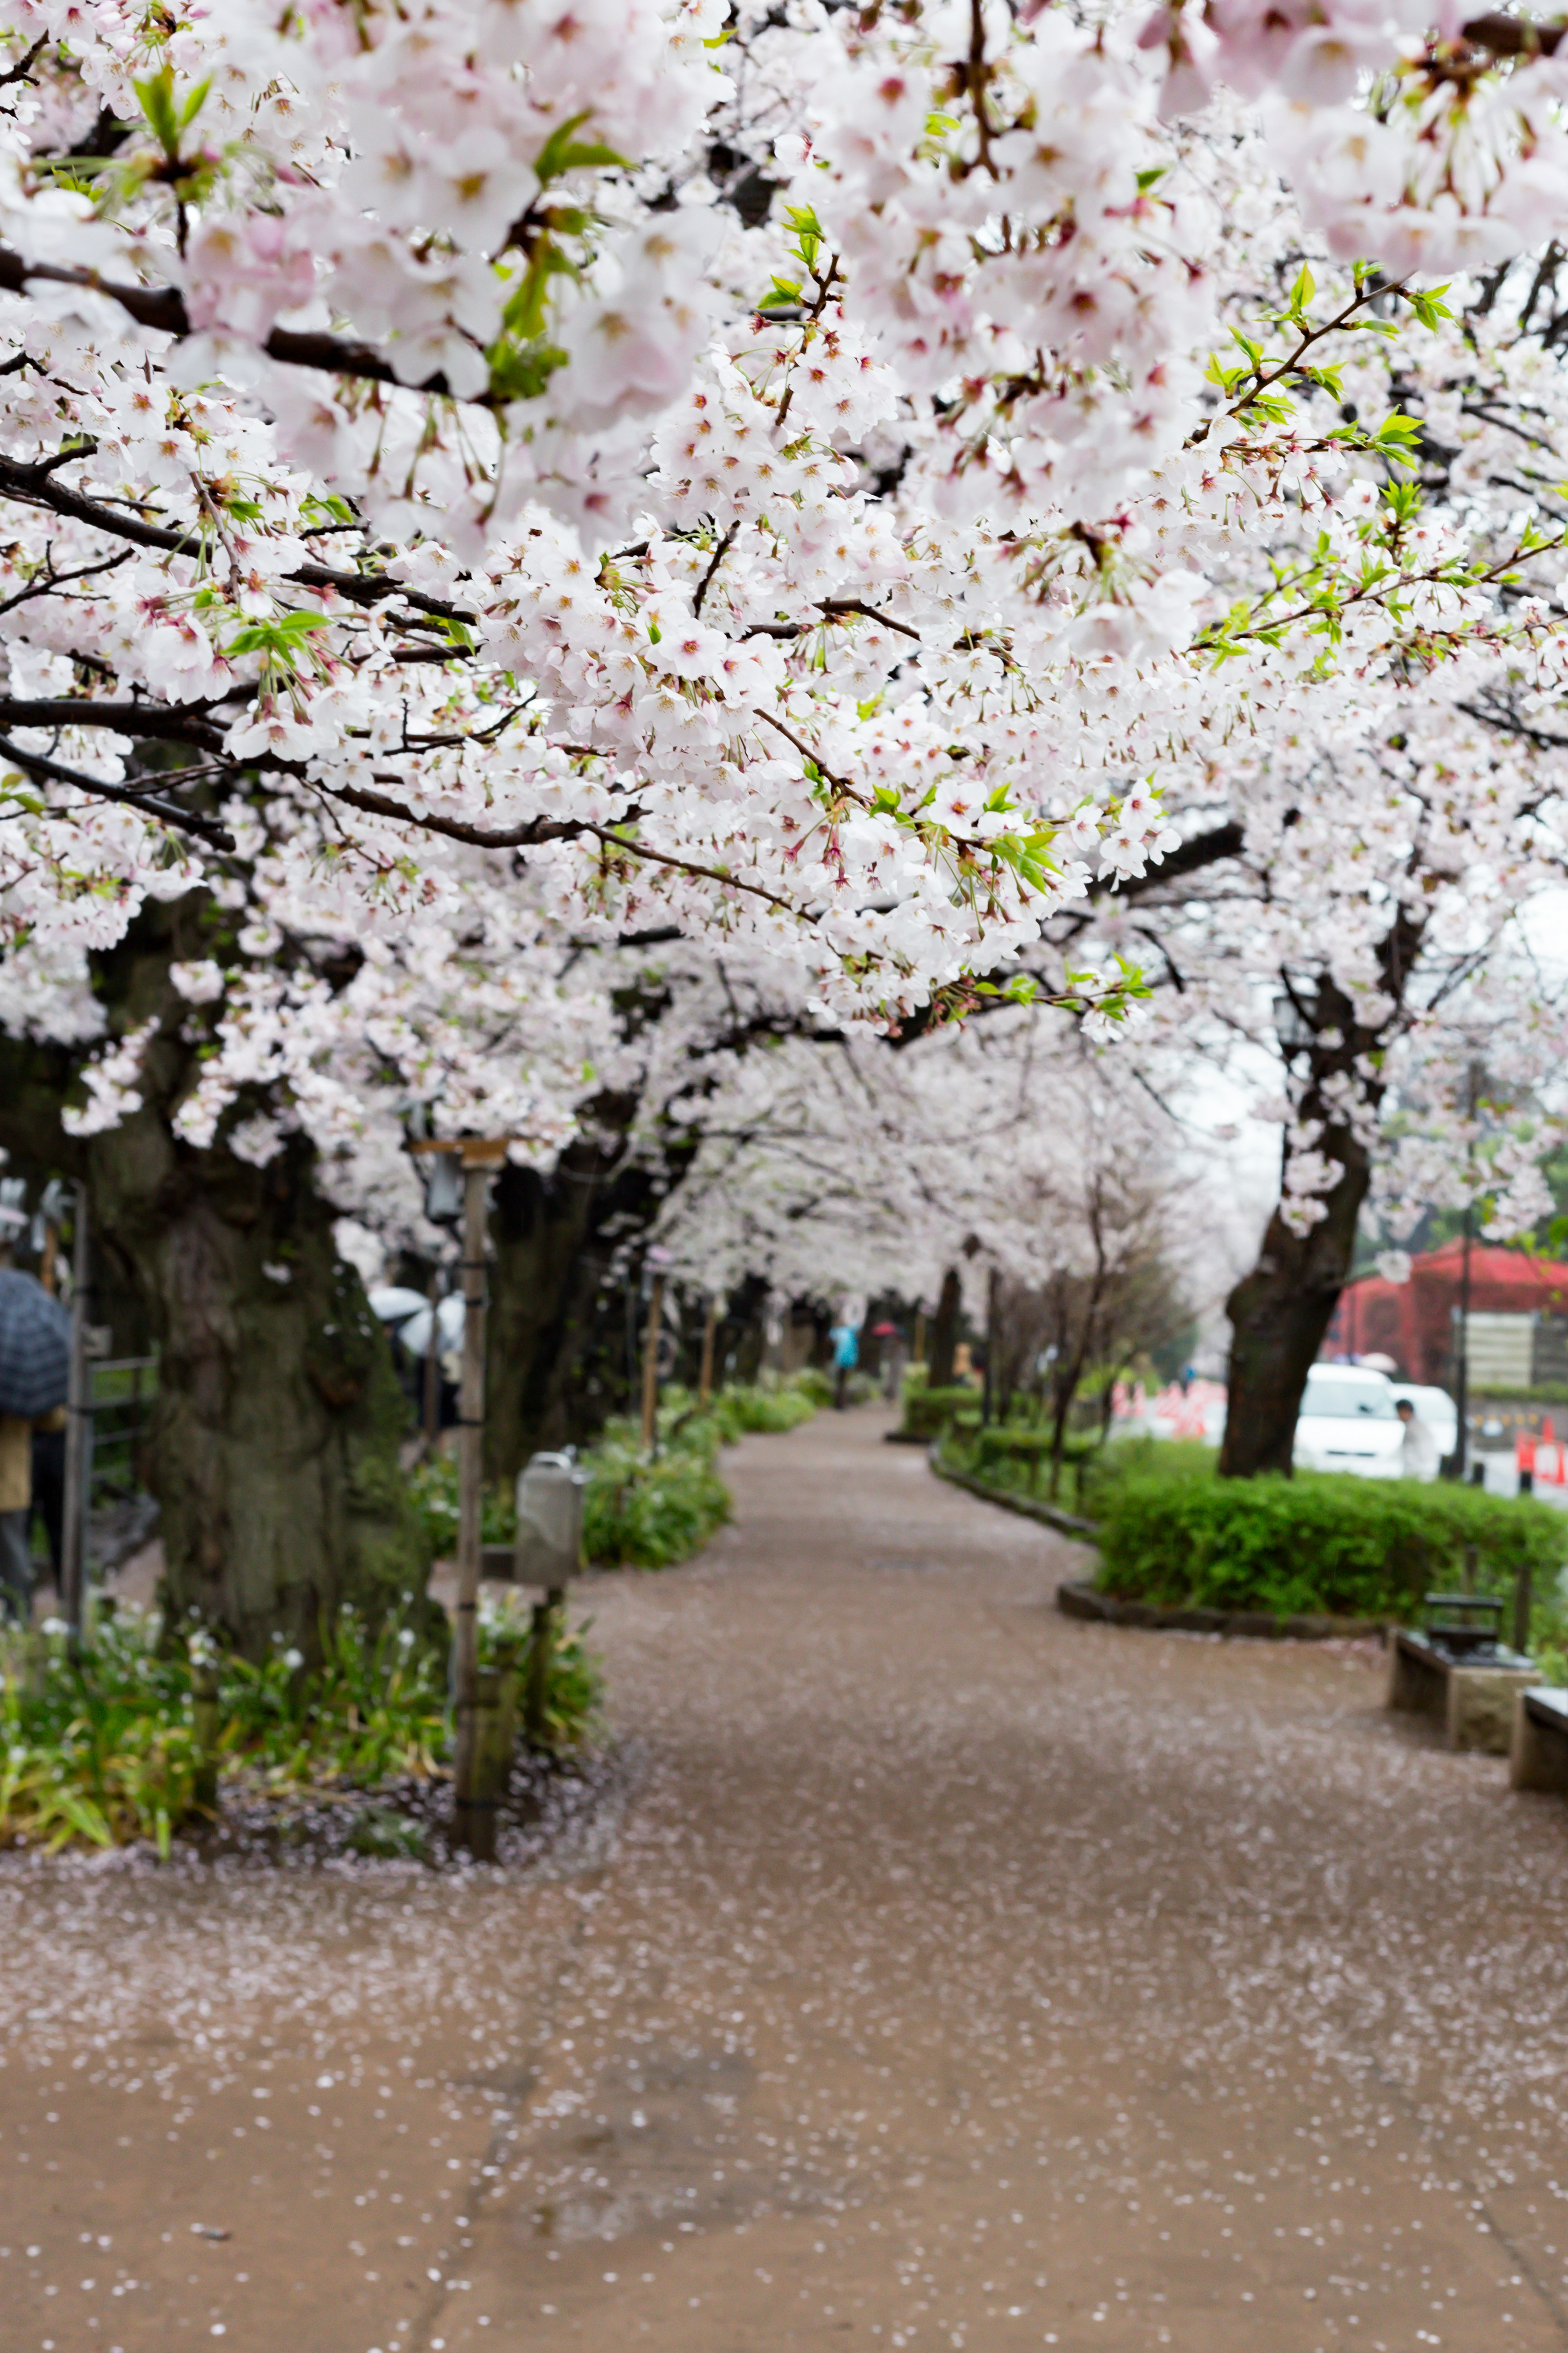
1278, 1315
944, 1332
558, 1357
273, 1447
1281, 1310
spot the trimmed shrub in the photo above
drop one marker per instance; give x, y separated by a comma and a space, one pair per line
1170, 1532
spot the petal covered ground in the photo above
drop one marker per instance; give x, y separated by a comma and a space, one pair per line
945, 1974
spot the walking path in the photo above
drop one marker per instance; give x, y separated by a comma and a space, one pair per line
955, 1976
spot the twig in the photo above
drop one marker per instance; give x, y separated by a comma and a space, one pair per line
720, 552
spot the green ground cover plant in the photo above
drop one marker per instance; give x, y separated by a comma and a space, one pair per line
1320, 1542
100, 1744
639, 1511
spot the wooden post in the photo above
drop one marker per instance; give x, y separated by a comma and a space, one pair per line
503, 1725
432, 1416
78, 1435
918, 1356
1522, 1597
650, 1364
204, 1727
540, 1659
473, 1820
989, 1388
709, 1333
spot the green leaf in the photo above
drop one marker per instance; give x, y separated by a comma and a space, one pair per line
155, 95
561, 153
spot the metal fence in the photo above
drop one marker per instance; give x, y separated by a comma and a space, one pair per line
120, 1398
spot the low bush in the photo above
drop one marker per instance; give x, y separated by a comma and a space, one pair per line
433, 1489
1170, 1532
637, 1512
927, 1412
1015, 1459
738, 1409
649, 1513
99, 1745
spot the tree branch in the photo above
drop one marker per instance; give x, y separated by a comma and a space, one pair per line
163, 309
154, 721
206, 828
34, 485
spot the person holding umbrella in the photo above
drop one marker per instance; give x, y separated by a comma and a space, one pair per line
35, 1379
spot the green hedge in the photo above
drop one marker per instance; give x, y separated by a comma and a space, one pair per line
1170, 1532
1497, 1393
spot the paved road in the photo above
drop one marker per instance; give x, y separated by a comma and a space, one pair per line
954, 1976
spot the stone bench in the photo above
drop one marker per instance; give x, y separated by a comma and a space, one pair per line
1538, 1758
1472, 1699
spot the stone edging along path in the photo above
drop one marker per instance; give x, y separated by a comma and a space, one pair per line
1077, 1597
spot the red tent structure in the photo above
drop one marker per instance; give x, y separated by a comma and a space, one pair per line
1414, 1322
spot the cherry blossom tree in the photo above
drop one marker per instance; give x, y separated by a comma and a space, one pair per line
484, 477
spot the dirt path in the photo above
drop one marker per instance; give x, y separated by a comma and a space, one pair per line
956, 1976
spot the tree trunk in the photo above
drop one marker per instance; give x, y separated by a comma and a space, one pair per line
1278, 1315
273, 1447
1281, 1310
944, 1332
558, 1357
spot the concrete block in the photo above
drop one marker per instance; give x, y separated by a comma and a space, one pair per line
1481, 1706
1416, 1678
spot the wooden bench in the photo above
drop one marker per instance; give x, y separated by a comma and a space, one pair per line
1538, 1758
1473, 1699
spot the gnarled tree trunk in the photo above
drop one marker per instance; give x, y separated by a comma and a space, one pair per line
1281, 1310
1278, 1315
273, 1449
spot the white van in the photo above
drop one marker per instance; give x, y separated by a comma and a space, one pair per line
1347, 1423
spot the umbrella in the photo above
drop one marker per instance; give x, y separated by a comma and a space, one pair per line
392, 1303
415, 1334
34, 1347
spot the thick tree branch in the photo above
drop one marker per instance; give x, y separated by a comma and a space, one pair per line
33, 764
1513, 37
35, 485
157, 723
163, 309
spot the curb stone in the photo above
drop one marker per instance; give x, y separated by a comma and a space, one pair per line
1077, 1599
1066, 1523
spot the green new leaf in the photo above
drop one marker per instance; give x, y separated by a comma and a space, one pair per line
562, 152
280, 639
